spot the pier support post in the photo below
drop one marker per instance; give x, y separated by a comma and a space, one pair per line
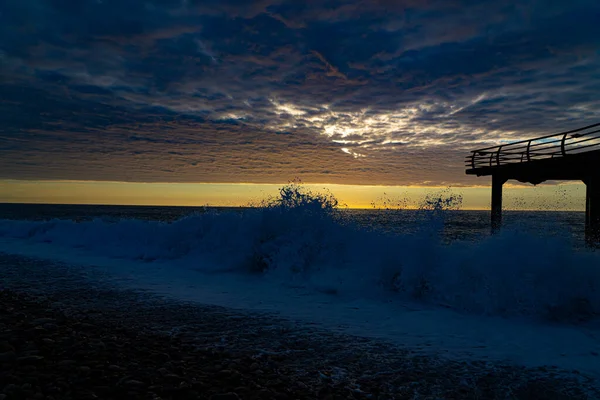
497, 182
592, 210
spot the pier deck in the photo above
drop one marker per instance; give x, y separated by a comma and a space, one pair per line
571, 155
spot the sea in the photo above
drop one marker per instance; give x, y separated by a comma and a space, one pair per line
470, 225
435, 279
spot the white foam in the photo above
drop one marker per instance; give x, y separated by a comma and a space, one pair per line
512, 274
489, 299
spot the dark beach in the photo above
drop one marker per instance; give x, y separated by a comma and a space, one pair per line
66, 335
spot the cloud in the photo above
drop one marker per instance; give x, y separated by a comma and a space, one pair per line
388, 92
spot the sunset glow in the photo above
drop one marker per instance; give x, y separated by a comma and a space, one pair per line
372, 93
544, 197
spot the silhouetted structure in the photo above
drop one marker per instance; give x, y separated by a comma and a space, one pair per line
572, 155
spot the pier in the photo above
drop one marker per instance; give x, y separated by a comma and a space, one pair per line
571, 155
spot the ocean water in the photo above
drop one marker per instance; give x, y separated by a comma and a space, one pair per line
433, 279
538, 266
452, 224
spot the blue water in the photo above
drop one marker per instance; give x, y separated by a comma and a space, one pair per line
457, 224
537, 266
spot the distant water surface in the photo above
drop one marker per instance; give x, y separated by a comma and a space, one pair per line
457, 224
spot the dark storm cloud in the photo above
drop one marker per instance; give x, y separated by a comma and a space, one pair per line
364, 91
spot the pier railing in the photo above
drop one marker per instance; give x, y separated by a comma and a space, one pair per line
550, 146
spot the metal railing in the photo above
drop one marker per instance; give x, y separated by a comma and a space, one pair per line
550, 146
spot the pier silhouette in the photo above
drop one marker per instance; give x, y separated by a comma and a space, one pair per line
571, 155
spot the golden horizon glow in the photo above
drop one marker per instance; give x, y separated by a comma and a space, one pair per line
568, 196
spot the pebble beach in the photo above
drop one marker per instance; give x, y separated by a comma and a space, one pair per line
68, 334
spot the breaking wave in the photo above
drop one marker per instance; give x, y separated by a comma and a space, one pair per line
300, 238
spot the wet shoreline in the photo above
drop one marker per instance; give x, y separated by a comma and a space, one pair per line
248, 355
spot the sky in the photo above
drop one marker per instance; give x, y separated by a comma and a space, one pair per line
117, 98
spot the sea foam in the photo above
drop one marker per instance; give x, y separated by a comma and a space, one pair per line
305, 242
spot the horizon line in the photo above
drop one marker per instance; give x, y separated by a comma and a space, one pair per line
250, 206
